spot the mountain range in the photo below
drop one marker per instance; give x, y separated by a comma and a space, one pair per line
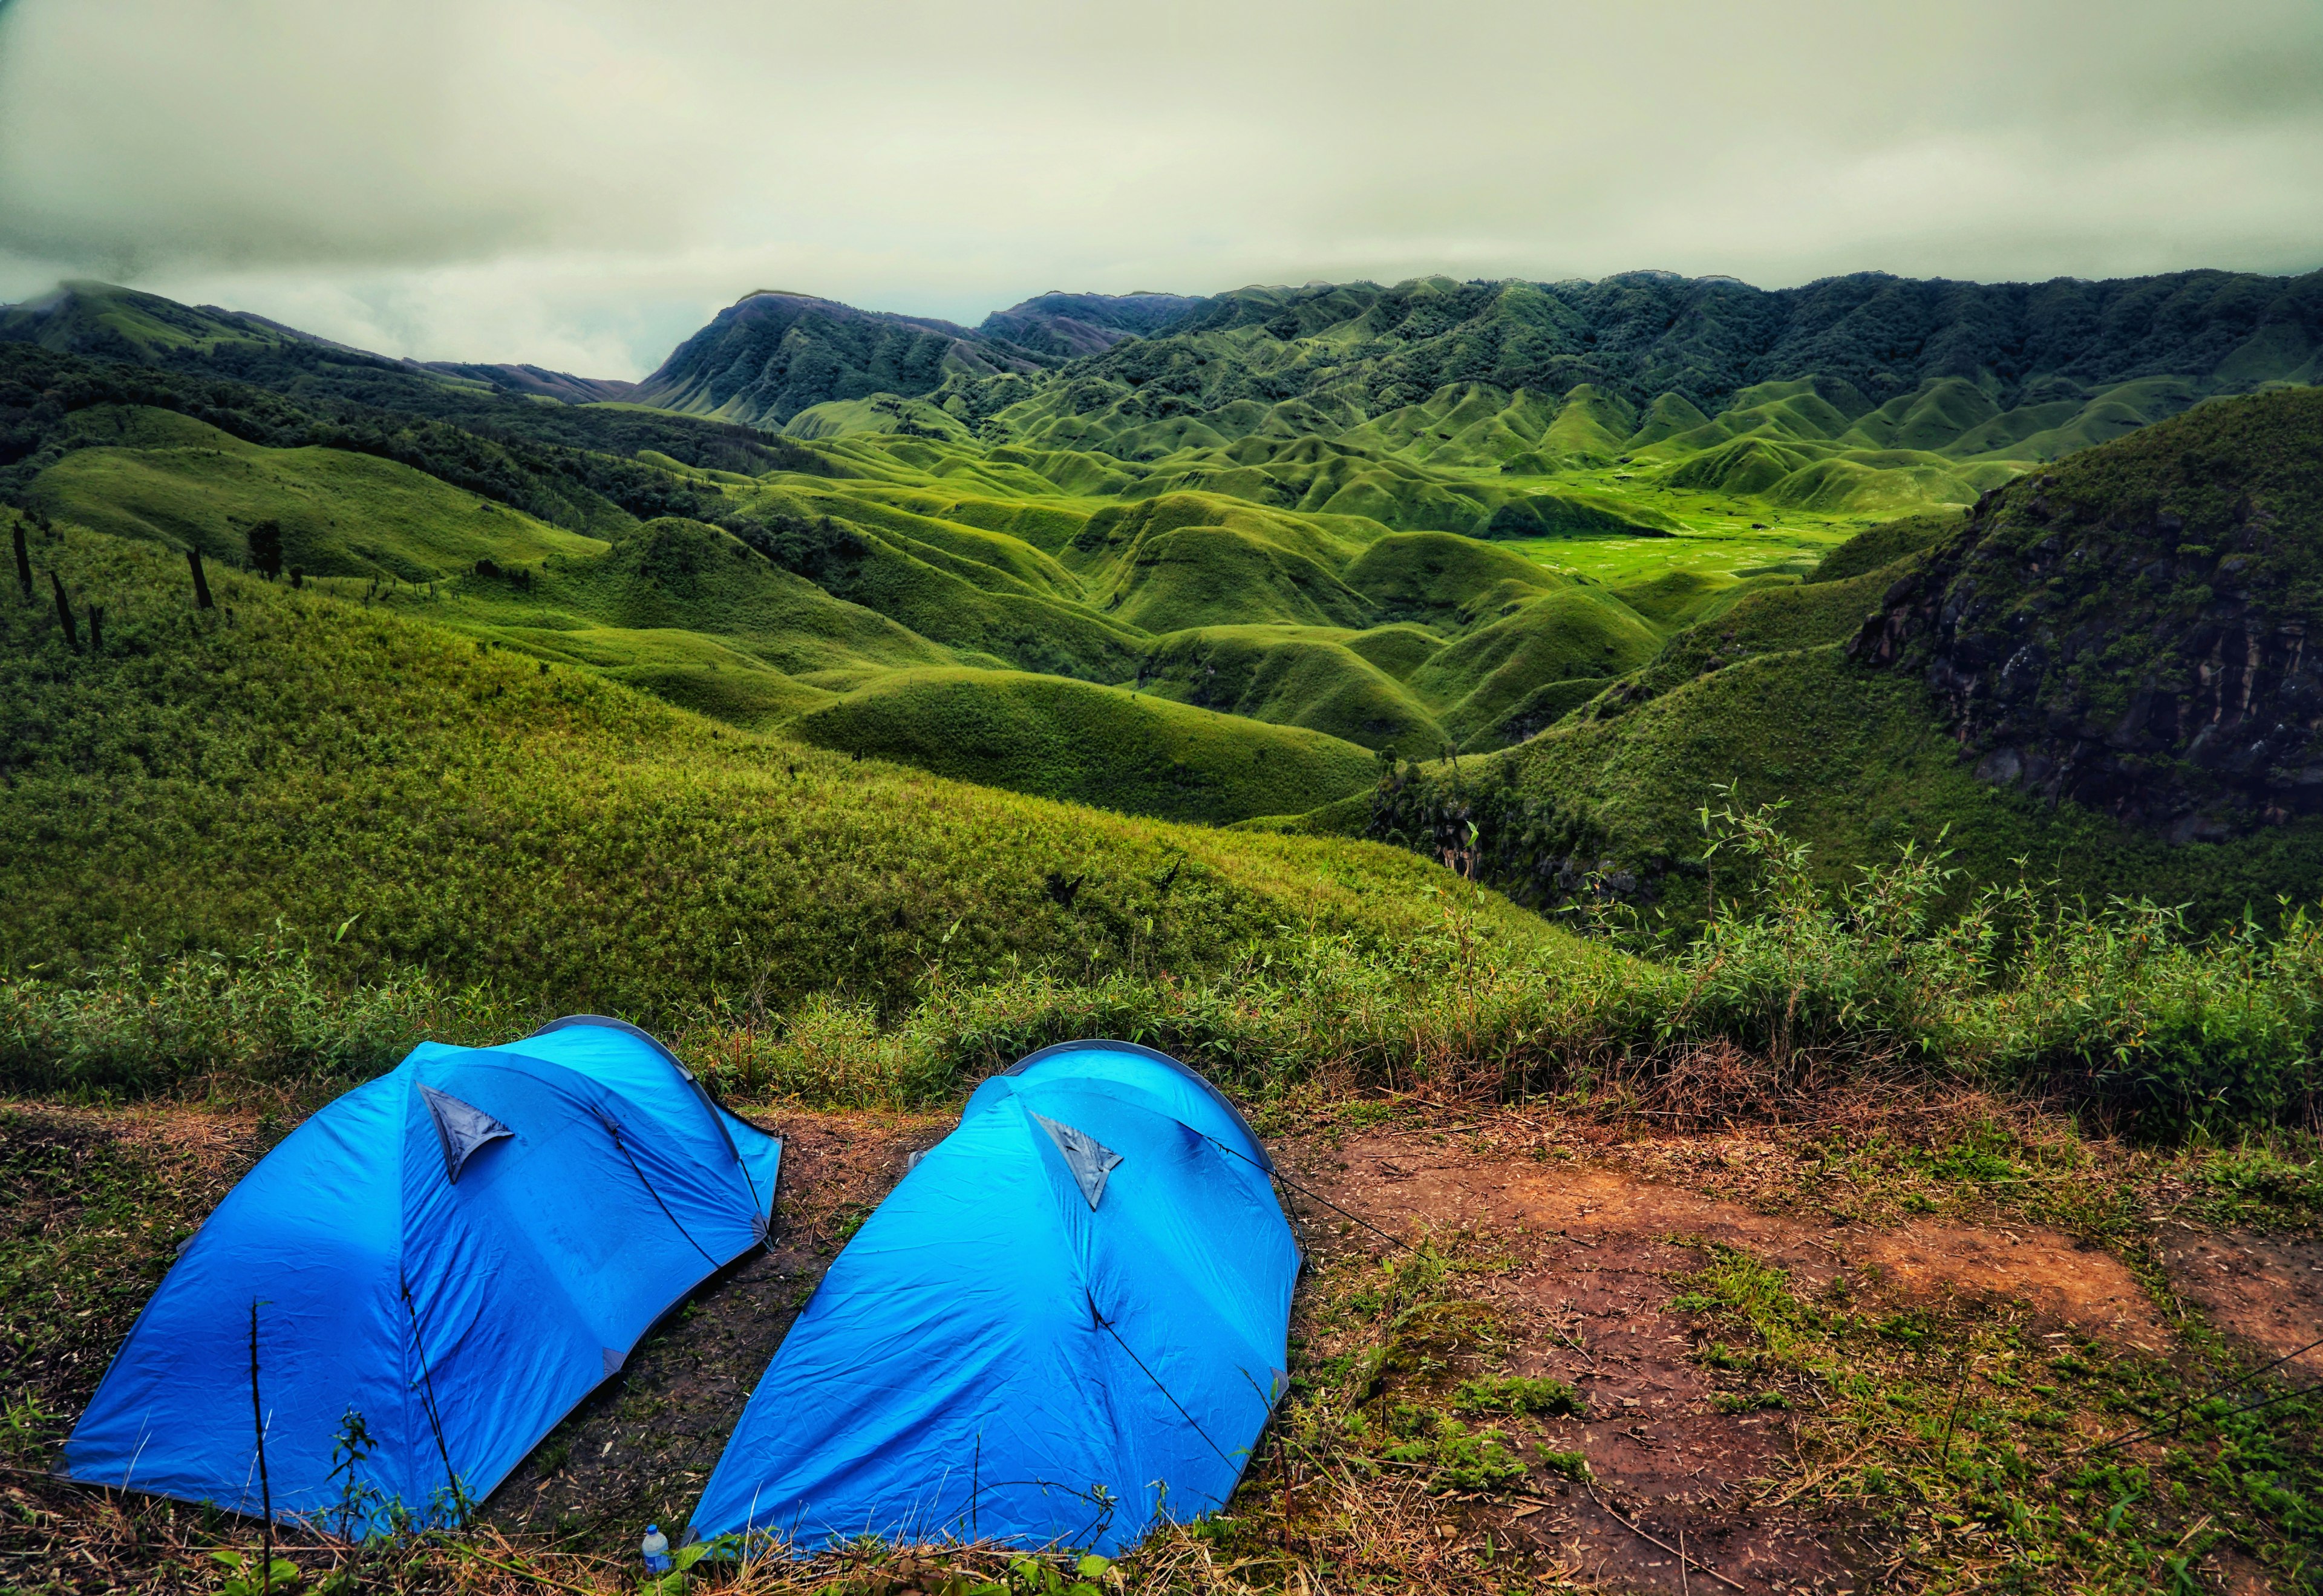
1216, 557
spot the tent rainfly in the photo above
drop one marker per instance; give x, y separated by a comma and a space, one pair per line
1066, 1325
425, 1276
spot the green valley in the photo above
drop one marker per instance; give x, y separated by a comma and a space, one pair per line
1312, 511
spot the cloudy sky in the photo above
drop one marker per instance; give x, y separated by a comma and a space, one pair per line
580, 183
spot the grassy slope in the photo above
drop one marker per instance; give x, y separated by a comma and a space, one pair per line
686, 611
1883, 545
977, 591
1195, 559
1579, 635
173, 478
1437, 580
1090, 744
503, 818
1864, 766
1315, 677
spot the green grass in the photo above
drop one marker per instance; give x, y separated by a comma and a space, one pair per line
179, 482
1582, 634
507, 820
1085, 743
1312, 677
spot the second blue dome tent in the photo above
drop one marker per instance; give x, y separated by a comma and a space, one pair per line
1067, 1325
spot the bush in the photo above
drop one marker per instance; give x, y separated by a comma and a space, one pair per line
1786, 990
141, 1024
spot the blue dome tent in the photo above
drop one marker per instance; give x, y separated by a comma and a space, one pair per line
1068, 1324
457, 1252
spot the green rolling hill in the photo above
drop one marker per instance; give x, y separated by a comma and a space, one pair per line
1132, 549
143, 472
1109, 746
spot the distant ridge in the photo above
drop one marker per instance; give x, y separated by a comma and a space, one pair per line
1153, 373
536, 380
112, 323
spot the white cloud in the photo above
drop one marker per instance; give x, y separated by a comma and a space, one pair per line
580, 183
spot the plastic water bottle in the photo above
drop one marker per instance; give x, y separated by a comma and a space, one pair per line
656, 1549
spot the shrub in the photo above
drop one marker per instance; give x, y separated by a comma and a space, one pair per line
140, 1023
1786, 989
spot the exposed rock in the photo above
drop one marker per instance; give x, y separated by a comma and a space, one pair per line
2130, 630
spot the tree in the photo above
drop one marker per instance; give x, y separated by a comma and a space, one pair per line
266, 547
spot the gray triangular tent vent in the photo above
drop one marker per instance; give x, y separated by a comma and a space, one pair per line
611, 1359
1090, 1159
461, 1127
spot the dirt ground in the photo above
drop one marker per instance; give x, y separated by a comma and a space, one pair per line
1597, 1246
2265, 1289
1596, 1232
1597, 1253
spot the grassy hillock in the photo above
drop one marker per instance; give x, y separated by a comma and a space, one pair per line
1437, 580
1183, 560
1577, 515
499, 818
1561, 640
1089, 744
974, 604
178, 481
1328, 681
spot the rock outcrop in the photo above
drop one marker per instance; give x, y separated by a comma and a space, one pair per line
2140, 630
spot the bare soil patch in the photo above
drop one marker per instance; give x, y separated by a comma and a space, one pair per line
1595, 1256
2266, 1288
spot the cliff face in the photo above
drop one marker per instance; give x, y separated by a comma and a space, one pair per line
2139, 630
